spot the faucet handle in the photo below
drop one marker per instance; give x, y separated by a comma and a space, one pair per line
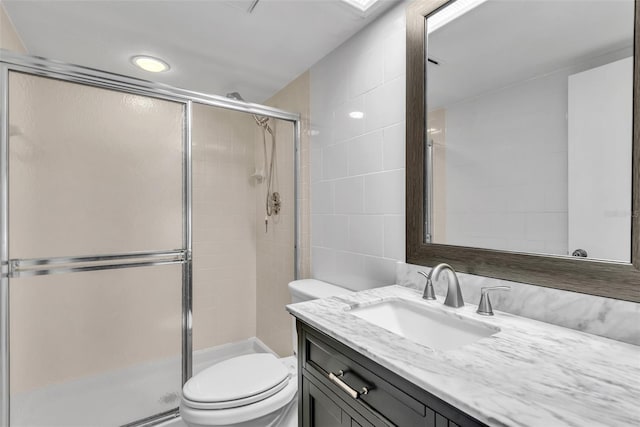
428, 289
484, 307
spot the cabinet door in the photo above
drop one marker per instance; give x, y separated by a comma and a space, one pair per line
319, 410
324, 409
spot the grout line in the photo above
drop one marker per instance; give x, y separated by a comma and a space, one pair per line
359, 175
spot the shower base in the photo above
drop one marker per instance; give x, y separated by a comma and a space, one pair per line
118, 397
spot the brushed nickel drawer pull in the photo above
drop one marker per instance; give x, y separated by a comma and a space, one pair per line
337, 380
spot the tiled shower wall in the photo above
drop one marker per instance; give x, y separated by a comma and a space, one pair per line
275, 244
224, 239
241, 269
357, 163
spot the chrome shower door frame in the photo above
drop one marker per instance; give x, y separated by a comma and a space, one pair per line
12, 268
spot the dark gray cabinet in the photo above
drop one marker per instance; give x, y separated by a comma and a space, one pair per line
323, 409
341, 387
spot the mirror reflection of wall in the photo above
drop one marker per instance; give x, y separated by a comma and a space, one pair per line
530, 112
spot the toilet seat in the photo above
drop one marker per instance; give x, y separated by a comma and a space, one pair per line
238, 390
246, 378
228, 404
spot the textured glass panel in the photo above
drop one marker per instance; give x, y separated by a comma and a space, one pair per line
92, 171
97, 348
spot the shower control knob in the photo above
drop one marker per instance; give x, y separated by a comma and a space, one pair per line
275, 202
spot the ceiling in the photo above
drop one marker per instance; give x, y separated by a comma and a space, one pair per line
499, 43
212, 46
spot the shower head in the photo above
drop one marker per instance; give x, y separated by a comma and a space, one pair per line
236, 96
262, 121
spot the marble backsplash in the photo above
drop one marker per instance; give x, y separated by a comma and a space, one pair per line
611, 318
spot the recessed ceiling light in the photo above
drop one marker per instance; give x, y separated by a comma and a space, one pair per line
356, 114
149, 63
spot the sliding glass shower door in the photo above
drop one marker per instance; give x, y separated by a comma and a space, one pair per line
98, 253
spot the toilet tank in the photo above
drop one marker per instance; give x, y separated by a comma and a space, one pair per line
308, 289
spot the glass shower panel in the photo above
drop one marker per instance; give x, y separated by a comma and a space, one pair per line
92, 171
98, 348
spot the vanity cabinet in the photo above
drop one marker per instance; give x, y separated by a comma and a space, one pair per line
341, 387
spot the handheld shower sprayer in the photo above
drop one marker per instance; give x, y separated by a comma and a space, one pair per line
273, 203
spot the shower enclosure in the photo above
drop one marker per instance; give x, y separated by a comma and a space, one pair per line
97, 249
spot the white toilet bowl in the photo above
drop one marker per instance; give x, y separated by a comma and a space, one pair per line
255, 390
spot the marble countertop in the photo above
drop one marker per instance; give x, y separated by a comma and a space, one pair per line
528, 374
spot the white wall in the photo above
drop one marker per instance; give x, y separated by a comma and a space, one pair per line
357, 165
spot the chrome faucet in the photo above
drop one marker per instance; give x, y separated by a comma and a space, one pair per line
454, 294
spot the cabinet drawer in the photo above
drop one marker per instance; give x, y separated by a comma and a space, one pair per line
365, 390
389, 400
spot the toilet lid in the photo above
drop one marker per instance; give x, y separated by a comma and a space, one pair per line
237, 381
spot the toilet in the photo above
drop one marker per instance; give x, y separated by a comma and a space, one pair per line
310, 289
252, 390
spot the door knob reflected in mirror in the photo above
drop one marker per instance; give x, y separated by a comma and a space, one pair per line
580, 253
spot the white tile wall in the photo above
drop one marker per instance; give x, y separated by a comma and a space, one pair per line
384, 192
323, 198
335, 231
349, 196
383, 105
394, 236
334, 161
366, 234
365, 153
393, 148
357, 165
368, 73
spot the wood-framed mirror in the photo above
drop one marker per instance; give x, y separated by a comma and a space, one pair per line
528, 216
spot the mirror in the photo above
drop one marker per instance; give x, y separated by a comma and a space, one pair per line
530, 126
520, 147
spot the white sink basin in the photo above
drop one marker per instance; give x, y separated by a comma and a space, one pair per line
428, 326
